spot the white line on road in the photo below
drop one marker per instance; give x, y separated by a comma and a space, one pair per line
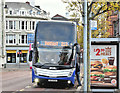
22, 90
28, 87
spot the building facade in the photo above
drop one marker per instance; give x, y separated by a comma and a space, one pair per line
114, 24
20, 23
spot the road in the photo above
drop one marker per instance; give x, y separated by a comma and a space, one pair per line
20, 80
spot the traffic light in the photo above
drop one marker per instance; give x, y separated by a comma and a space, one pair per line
19, 54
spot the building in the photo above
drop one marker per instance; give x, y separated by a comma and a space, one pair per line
20, 23
114, 24
2, 35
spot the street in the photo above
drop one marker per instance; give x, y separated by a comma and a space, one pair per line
21, 80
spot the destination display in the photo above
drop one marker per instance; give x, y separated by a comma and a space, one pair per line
52, 43
103, 66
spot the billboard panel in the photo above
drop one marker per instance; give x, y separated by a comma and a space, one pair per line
30, 38
104, 66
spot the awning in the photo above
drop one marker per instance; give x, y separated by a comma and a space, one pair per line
11, 51
24, 51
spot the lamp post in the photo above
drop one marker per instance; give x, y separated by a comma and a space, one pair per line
85, 46
119, 17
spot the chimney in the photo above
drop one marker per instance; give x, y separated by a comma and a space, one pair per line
6, 6
28, 2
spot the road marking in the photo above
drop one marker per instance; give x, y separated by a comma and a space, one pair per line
22, 90
28, 87
35, 84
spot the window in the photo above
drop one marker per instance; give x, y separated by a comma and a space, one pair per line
30, 25
26, 25
14, 24
23, 58
10, 12
6, 38
115, 28
19, 24
10, 24
11, 57
22, 24
10, 39
33, 25
6, 24
38, 13
26, 39
23, 39
14, 39
23, 12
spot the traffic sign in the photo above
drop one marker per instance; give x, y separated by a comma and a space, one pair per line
93, 25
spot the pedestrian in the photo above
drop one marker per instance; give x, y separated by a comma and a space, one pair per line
78, 74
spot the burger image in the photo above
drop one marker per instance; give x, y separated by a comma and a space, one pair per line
110, 70
97, 77
110, 73
96, 65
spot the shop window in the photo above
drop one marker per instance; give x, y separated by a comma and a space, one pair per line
23, 56
11, 57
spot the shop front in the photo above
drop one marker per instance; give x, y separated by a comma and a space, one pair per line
22, 56
16, 56
11, 56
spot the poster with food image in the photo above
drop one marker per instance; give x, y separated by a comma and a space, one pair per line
103, 66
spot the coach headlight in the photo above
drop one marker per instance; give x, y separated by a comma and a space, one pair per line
36, 80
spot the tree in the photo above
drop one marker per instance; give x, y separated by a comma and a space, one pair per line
97, 9
94, 11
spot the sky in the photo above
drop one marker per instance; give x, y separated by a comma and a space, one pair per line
52, 6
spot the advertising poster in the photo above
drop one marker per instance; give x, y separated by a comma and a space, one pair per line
103, 66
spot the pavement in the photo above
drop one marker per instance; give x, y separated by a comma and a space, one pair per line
15, 69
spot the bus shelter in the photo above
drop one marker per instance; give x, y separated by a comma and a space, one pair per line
105, 64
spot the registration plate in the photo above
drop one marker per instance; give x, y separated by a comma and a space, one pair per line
52, 80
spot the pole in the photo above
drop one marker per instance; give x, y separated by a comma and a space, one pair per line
85, 46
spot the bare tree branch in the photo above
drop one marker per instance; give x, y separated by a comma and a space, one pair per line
98, 12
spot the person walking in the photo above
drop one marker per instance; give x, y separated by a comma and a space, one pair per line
78, 74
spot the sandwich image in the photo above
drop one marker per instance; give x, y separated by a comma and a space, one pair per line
96, 65
97, 77
110, 73
110, 70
